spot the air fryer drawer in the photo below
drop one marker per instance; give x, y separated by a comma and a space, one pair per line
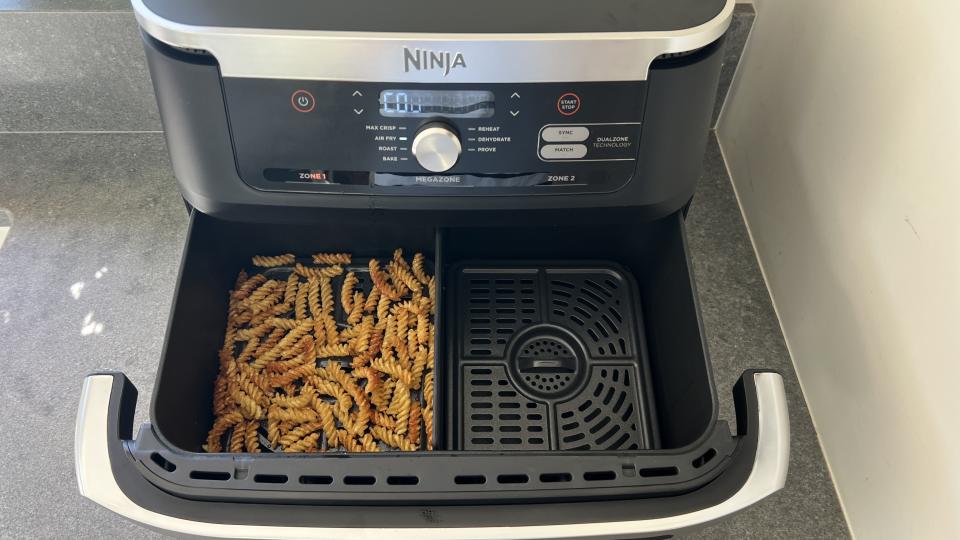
570, 368
215, 252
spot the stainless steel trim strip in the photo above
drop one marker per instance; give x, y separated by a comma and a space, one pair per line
97, 483
379, 56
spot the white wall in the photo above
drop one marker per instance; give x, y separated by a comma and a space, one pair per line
842, 134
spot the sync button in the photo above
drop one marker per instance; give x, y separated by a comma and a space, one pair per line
563, 151
565, 134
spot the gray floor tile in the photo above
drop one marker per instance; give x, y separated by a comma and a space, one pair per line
65, 5
83, 206
742, 333
740, 25
92, 76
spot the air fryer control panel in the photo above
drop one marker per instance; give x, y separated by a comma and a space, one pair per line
421, 139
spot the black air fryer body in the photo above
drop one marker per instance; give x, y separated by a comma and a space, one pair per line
541, 153
238, 141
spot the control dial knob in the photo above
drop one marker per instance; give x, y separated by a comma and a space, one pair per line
436, 147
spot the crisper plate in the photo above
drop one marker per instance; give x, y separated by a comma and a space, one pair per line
549, 357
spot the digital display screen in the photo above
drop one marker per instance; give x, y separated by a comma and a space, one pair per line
447, 103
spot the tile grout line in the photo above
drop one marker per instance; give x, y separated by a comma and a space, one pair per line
786, 340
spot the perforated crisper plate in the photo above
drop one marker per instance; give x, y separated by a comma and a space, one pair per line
549, 357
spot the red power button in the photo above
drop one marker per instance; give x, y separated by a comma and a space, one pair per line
303, 101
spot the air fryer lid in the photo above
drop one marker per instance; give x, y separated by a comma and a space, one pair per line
443, 16
497, 40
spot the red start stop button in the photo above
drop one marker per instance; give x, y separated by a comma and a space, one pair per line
568, 104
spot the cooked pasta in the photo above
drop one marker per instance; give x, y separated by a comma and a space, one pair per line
348, 442
413, 424
238, 438
290, 291
402, 274
248, 406
420, 361
428, 408
326, 298
394, 370
312, 271
418, 270
356, 314
401, 404
220, 426
260, 293
328, 423
392, 439
282, 364
249, 284
398, 258
333, 351
300, 416
368, 443
313, 297
285, 324
331, 258
252, 438
303, 291
293, 375
269, 262
381, 280
300, 432
247, 334
306, 444
384, 420
347, 290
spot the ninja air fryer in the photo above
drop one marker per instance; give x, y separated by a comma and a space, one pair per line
541, 154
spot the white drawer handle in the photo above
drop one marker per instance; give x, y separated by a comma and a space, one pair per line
96, 481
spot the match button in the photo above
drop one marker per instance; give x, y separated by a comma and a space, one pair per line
563, 151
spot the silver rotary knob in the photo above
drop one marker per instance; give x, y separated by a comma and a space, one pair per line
436, 148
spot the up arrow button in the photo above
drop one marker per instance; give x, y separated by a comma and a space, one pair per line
514, 96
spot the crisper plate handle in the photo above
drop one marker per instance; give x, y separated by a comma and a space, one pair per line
105, 414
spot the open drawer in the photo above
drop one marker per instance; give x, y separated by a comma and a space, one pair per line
574, 399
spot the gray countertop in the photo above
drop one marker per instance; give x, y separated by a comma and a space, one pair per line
88, 268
